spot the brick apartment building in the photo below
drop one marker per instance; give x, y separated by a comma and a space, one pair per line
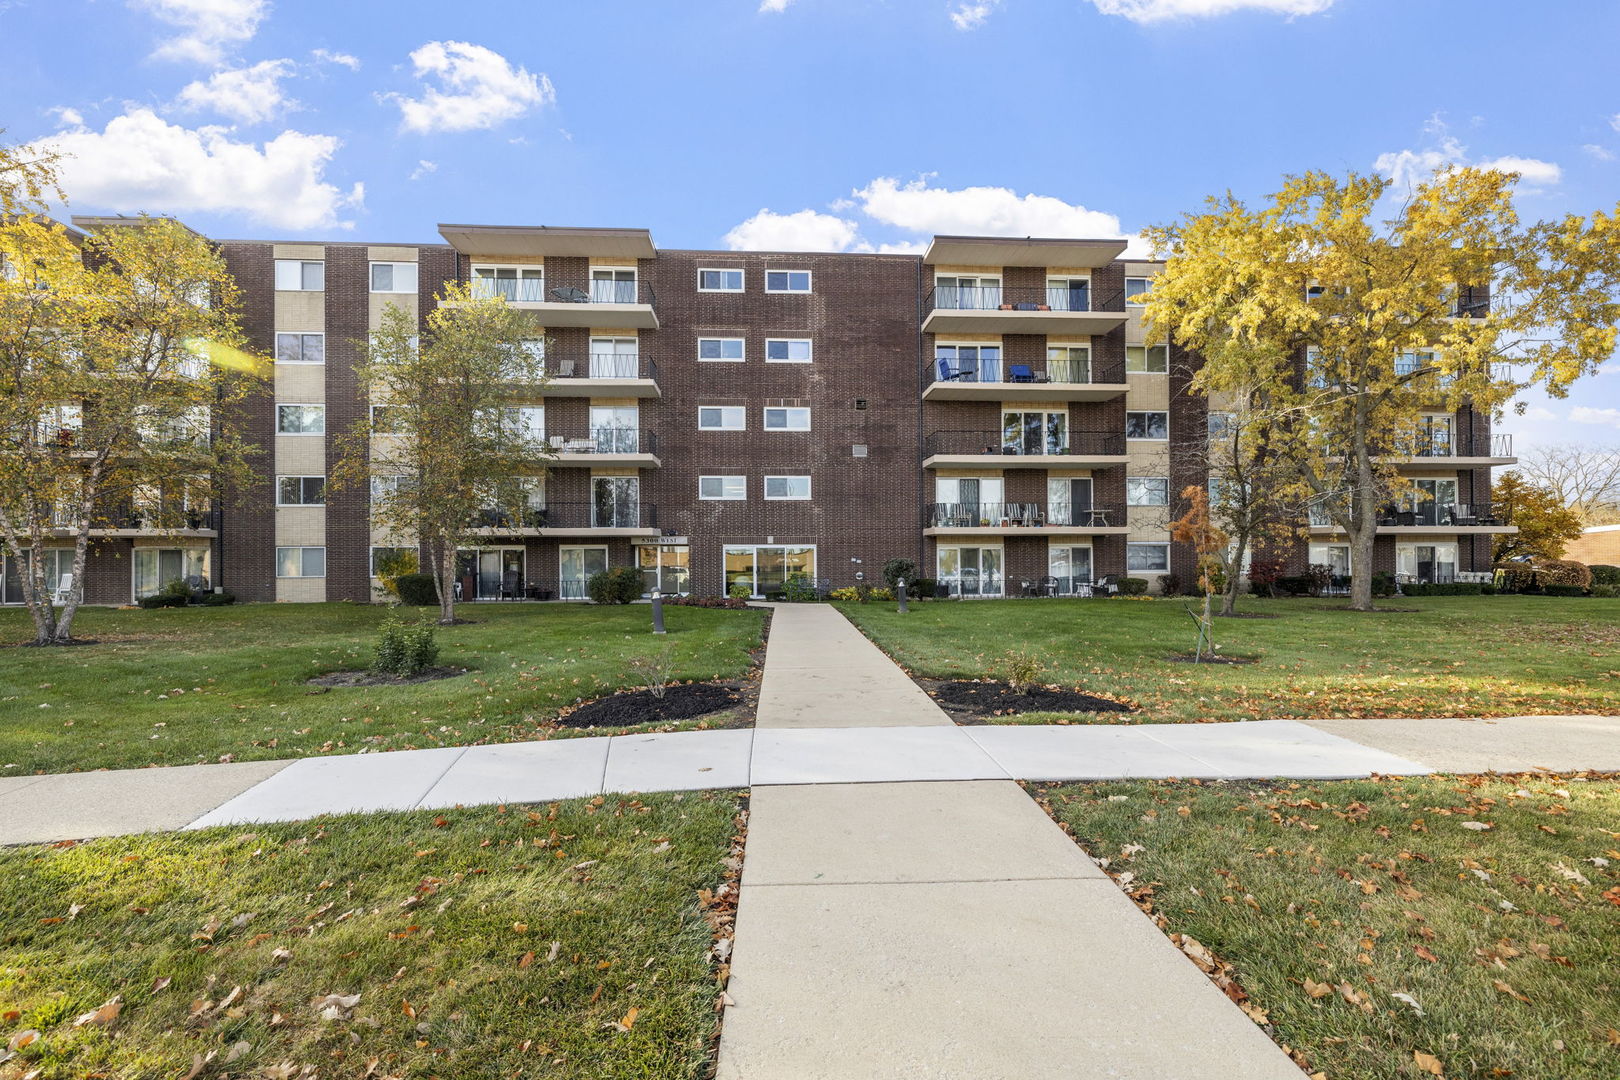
987, 409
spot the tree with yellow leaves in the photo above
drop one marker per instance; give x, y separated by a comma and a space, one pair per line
1358, 324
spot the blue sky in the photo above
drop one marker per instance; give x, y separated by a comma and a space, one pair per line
828, 124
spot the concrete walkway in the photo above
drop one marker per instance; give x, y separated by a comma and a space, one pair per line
1503, 744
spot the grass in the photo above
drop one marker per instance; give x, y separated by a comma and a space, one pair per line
1444, 656
443, 925
185, 685
1330, 899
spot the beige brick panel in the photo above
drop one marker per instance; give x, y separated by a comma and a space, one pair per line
300, 526
380, 302
298, 251
1147, 393
301, 311
294, 590
301, 455
391, 254
301, 383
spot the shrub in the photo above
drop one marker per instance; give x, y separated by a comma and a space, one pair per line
618, 585
1563, 590
1383, 583
1320, 577
391, 566
1605, 575
1263, 575
162, 600
218, 599
655, 671
846, 593
1021, 670
176, 589
740, 591
727, 602
799, 589
1564, 572
924, 588
880, 594
1170, 585
895, 569
404, 648
1294, 584
1448, 588
417, 590
1606, 592
1133, 586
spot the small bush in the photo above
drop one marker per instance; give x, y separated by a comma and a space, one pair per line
1565, 572
1263, 574
895, 569
925, 588
1448, 588
727, 602
845, 593
417, 590
1605, 575
404, 648
1563, 590
880, 594
1294, 584
1321, 576
163, 600
1021, 670
739, 591
799, 589
618, 585
1170, 585
1606, 592
390, 567
1383, 583
1133, 586
218, 599
655, 671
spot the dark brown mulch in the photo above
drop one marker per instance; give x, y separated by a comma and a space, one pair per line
1184, 658
683, 701
366, 678
989, 698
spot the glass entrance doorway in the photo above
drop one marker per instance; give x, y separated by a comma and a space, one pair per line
666, 568
490, 573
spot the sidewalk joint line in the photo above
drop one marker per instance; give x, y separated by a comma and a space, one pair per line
417, 805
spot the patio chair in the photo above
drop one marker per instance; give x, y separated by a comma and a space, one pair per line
1108, 585
64, 589
1049, 586
946, 374
1023, 373
511, 585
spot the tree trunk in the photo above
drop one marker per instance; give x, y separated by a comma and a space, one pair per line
64, 621
1234, 576
447, 583
37, 598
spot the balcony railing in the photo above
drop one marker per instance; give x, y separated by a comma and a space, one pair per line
1022, 298
995, 370
1083, 443
534, 291
583, 515
1425, 513
606, 440
601, 365
1444, 444
1022, 515
526, 290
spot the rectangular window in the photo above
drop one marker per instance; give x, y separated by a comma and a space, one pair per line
723, 488
153, 569
958, 293
1147, 491
787, 487
300, 562
1220, 425
1066, 294
787, 419
720, 348
1336, 557
796, 281
300, 419
767, 568
300, 348
1034, 431
1147, 425
1147, 558
613, 286
300, 491
1136, 290
526, 284
1068, 363
295, 276
967, 363
394, 277
970, 571
722, 418
787, 350
385, 419
720, 281
1147, 359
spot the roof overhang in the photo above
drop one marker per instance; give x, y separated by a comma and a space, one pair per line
1022, 251
549, 240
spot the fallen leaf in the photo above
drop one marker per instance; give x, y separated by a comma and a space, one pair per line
1476, 826
526, 959
22, 1039
106, 1014
160, 983
1410, 1000
629, 1020
407, 1008
1317, 989
1504, 988
1428, 1063
1423, 952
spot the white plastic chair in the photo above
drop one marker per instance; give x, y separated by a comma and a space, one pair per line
64, 589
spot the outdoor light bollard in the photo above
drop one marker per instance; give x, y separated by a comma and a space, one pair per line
900, 589
658, 611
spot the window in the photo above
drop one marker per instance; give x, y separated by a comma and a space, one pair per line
1427, 563
720, 281
1147, 558
766, 568
1147, 425
391, 559
300, 491
615, 502
1335, 557
521, 283
1068, 294
1071, 565
300, 348
385, 419
615, 429
1147, 491
525, 425
968, 363
300, 562
959, 293
1136, 289
787, 419
720, 348
300, 419
723, 488
1147, 359
615, 358
154, 567
613, 286
388, 485
1068, 364
787, 350
1433, 437
576, 566
295, 276
396, 277
1034, 431
969, 571
722, 418
1221, 425
787, 281
787, 487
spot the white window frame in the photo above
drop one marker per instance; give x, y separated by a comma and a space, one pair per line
300, 477
789, 412
388, 484
809, 350
740, 412
301, 263
186, 553
1129, 480
787, 498
754, 549
742, 278
301, 405
1163, 350
740, 494
300, 335
1147, 544
742, 351
521, 269
809, 281
301, 548
1147, 287
634, 281
1001, 563
1147, 412
394, 264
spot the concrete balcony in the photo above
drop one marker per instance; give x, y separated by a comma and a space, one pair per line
997, 380
605, 446
991, 449
1023, 519
957, 309
568, 519
598, 374
615, 305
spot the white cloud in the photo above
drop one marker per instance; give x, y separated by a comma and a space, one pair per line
1408, 168
971, 14
478, 88
67, 115
423, 168
142, 162
250, 95
1614, 121
1539, 413
773, 7
1152, 11
806, 230
1602, 153
344, 59
1585, 414
208, 28
1532, 171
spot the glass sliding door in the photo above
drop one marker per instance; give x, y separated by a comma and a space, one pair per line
767, 568
614, 358
156, 567
575, 567
1068, 500
970, 571
957, 292
1035, 431
1071, 565
615, 502
614, 428
58, 562
666, 568
1433, 501
613, 286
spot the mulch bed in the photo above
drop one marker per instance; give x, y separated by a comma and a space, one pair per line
366, 678
683, 701
988, 698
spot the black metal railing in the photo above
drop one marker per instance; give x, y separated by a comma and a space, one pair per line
535, 291
605, 440
167, 518
1022, 515
569, 515
1022, 298
993, 443
1427, 512
600, 365
998, 370
1445, 444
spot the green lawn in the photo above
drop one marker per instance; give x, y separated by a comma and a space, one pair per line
1368, 925
570, 940
1451, 656
183, 685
